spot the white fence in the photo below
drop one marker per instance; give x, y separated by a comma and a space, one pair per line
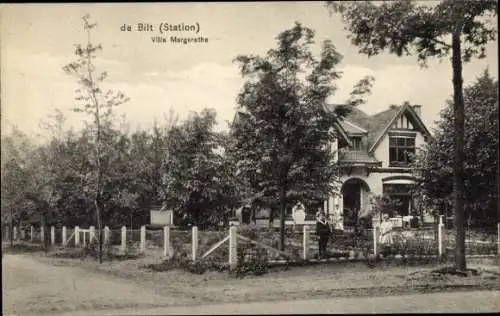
167, 242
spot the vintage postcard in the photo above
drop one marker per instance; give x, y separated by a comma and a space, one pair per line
250, 157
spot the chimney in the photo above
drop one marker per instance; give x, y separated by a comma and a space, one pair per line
417, 108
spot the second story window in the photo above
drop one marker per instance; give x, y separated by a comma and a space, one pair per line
356, 143
400, 150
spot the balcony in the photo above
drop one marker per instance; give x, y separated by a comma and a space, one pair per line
355, 157
399, 164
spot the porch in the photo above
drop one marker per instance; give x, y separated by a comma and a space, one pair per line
356, 203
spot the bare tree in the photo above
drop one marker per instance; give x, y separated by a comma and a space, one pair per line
92, 101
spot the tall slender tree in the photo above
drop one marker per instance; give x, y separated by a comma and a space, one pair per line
94, 102
460, 28
481, 160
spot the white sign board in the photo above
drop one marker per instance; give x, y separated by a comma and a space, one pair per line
162, 217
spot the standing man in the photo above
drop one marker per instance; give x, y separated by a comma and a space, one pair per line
323, 232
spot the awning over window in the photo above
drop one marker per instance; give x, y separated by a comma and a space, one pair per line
399, 181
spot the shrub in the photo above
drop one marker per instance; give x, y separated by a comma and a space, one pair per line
177, 261
22, 248
181, 260
253, 261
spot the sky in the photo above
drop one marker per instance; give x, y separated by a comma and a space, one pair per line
37, 40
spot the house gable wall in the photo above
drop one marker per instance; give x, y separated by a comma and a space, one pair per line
382, 151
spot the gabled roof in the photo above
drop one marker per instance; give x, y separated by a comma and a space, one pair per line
359, 118
343, 133
378, 124
239, 115
400, 110
352, 128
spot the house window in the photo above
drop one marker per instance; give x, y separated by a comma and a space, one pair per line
400, 150
401, 198
356, 143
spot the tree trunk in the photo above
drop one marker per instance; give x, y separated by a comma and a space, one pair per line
97, 116
46, 233
99, 228
498, 172
282, 215
271, 217
458, 168
11, 230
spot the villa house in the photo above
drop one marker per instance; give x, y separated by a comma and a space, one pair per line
373, 154
372, 151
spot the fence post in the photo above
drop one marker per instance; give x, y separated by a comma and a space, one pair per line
375, 240
233, 247
143, 239
166, 241
194, 242
52, 235
498, 227
77, 235
32, 231
91, 234
42, 234
305, 242
64, 235
106, 235
124, 238
15, 233
440, 235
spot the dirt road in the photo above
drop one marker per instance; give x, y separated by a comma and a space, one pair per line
456, 302
40, 288
31, 287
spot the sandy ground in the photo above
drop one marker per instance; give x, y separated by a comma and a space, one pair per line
33, 287
457, 302
39, 285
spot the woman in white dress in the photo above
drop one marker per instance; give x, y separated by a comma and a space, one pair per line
385, 238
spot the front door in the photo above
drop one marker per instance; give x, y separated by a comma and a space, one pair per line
352, 202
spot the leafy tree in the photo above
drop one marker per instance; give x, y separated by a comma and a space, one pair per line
13, 181
283, 130
133, 181
29, 179
75, 206
94, 102
192, 182
459, 28
48, 168
16, 152
54, 179
481, 160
